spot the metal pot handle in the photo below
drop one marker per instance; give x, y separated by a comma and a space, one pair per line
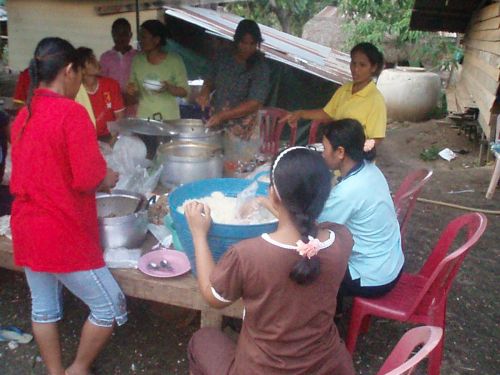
157, 116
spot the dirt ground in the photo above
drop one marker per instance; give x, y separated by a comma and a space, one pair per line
154, 340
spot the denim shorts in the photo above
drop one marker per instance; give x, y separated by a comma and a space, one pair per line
96, 288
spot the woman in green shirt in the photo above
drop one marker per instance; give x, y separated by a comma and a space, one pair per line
156, 66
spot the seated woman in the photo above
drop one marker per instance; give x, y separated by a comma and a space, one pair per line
359, 99
288, 281
103, 92
362, 201
240, 78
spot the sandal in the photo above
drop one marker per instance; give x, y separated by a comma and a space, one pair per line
11, 333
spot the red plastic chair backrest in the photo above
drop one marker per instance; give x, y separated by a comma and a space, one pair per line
271, 129
440, 269
399, 361
406, 197
313, 130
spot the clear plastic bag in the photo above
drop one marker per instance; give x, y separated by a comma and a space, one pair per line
246, 206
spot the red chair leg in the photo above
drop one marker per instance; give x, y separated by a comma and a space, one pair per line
355, 324
435, 359
365, 324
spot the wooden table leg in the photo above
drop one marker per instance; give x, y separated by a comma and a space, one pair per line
494, 178
211, 318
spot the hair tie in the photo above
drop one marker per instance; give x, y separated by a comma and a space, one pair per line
309, 249
280, 156
369, 145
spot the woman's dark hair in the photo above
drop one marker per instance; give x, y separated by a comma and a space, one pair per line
251, 28
120, 23
51, 55
83, 55
157, 29
349, 134
303, 182
372, 53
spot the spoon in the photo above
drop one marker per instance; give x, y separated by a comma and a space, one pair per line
165, 264
153, 265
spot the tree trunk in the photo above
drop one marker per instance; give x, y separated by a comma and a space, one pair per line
284, 16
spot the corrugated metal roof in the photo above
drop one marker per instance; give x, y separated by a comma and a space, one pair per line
302, 54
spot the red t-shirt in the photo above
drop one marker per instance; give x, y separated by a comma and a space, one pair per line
56, 168
22, 87
106, 100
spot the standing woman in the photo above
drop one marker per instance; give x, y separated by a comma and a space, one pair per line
56, 170
240, 78
359, 99
156, 65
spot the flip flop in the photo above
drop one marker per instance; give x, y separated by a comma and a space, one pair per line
11, 333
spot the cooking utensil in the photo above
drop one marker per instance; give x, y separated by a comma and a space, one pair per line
122, 218
184, 162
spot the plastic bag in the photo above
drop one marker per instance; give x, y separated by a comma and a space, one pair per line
246, 205
128, 158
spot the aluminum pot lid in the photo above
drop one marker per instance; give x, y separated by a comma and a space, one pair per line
191, 127
144, 126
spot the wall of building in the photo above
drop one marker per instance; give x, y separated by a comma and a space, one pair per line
480, 74
77, 21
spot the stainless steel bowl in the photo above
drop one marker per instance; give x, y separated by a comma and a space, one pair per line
122, 219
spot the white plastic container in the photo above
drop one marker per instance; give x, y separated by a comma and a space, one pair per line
410, 94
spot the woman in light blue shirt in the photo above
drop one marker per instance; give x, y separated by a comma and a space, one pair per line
362, 201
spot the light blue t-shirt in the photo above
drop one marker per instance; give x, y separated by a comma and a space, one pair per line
362, 201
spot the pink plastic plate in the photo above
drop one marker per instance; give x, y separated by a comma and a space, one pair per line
177, 260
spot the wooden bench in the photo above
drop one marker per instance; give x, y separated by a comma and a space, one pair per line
179, 291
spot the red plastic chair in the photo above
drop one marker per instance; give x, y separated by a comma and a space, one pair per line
406, 197
271, 129
399, 361
313, 130
421, 298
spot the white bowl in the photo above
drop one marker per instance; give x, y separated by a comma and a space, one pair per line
153, 85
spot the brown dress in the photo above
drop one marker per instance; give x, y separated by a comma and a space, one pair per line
287, 328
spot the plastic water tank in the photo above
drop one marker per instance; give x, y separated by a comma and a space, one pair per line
410, 93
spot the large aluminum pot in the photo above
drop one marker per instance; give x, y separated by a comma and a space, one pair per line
122, 218
185, 162
193, 130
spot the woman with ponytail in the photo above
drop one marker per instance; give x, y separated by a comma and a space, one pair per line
362, 201
288, 281
56, 170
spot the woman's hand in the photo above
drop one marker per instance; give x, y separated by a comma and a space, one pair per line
109, 181
132, 89
203, 100
215, 120
291, 117
198, 218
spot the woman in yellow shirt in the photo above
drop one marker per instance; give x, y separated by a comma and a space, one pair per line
359, 99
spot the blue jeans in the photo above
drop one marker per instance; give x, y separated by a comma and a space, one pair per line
96, 288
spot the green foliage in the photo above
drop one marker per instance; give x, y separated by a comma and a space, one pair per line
429, 154
286, 15
377, 21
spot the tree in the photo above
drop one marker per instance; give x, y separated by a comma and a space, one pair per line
286, 15
386, 22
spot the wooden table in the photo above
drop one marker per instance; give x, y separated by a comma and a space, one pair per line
179, 291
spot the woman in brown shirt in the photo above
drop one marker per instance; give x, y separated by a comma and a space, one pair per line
288, 281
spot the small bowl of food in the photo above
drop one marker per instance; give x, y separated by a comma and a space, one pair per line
152, 85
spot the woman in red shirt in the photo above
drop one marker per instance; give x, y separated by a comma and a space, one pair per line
56, 170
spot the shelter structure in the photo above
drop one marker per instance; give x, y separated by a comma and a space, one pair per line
478, 83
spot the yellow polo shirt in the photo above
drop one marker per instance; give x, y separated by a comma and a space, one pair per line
367, 106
